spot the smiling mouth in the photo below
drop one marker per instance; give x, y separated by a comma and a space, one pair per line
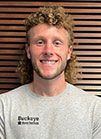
48, 61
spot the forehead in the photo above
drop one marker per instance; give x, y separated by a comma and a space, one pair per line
45, 29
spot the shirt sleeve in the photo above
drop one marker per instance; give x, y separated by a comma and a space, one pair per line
2, 123
97, 120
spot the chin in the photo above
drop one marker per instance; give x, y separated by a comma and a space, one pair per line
50, 76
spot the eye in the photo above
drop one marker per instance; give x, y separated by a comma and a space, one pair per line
40, 42
57, 43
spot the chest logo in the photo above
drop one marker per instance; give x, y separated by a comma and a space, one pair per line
28, 120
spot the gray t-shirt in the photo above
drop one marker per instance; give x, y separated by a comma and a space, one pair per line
73, 114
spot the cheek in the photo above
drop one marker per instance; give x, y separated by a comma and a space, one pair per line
64, 52
34, 54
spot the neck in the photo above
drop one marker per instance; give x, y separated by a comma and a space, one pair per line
45, 87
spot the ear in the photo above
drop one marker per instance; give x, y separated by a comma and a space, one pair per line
70, 50
27, 48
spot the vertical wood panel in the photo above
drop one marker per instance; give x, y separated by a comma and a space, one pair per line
87, 19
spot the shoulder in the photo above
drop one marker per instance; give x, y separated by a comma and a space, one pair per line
83, 96
73, 89
14, 93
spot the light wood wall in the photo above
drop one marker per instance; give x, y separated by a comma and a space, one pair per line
87, 19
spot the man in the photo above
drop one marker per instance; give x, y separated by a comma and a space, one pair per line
48, 107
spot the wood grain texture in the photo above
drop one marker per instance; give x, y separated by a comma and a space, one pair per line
87, 33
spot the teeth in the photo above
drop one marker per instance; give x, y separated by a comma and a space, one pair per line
48, 61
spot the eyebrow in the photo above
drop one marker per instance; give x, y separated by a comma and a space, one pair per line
44, 38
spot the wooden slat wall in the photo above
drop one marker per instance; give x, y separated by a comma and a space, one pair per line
87, 17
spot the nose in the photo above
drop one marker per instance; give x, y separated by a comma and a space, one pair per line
48, 50
48, 54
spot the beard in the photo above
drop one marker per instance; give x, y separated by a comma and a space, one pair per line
58, 71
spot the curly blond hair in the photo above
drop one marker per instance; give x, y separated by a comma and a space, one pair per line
55, 16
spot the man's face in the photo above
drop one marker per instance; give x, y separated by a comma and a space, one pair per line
48, 50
